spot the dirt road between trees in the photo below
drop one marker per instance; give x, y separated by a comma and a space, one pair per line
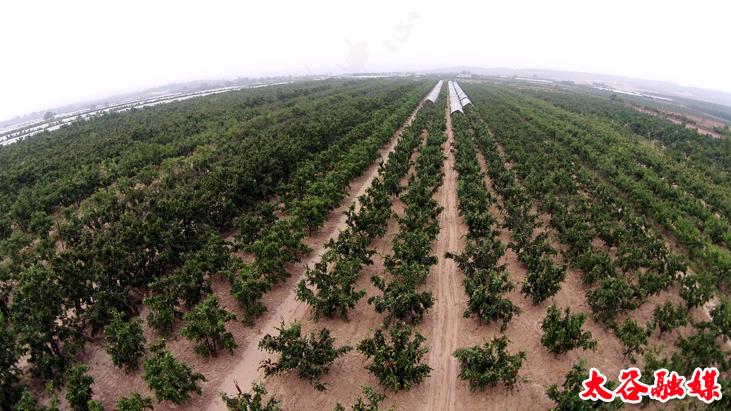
289, 309
447, 312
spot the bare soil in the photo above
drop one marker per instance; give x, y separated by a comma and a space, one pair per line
542, 368
443, 326
703, 127
294, 392
221, 371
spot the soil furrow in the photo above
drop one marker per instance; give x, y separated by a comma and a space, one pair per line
447, 290
246, 370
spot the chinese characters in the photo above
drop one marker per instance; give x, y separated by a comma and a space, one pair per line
668, 385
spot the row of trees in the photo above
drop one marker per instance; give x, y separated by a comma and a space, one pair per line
334, 277
411, 261
583, 209
321, 195
396, 349
157, 235
543, 279
683, 199
169, 379
485, 280
396, 356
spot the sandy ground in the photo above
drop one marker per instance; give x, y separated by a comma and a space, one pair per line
290, 386
703, 128
111, 383
443, 326
446, 330
542, 368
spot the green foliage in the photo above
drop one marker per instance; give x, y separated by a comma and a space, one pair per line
411, 259
563, 334
310, 356
373, 398
667, 317
162, 305
247, 288
28, 403
614, 296
78, 388
696, 290
721, 315
700, 350
568, 398
135, 402
401, 299
542, 283
335, 276
278, 246
595, 265
487, 291
480, 254
170, 380
40, 224
6, 228
601, 170
252, 225
125, 341
245, 401
396, 362
719, 262
144, 195
633, 337
490, 365
724, 403
146, 175
335, 293
543, 280
312, 211
191, 283
39, 318
10, 354
94, 405
206, 324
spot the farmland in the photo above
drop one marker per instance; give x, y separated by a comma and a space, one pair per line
351, 238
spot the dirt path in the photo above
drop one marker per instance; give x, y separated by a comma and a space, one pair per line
668, 115
543, 369
447, 291
289, 309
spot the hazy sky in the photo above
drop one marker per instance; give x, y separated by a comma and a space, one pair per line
62, 51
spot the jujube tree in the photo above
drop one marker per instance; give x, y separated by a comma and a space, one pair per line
311, 356
396, 362
489, 365
169, 379
206, 324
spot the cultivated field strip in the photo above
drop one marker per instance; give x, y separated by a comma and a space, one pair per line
172, 187
377, 186
589, 218
557, 232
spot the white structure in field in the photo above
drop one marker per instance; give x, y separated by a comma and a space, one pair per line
457, 98
463, 99
435, 92
454, 104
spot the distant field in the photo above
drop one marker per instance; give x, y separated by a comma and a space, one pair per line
359, 206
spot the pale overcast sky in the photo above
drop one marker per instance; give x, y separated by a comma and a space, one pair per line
64, 51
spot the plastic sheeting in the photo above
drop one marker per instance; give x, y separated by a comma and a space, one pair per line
463, 99
454, 101
434, 94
